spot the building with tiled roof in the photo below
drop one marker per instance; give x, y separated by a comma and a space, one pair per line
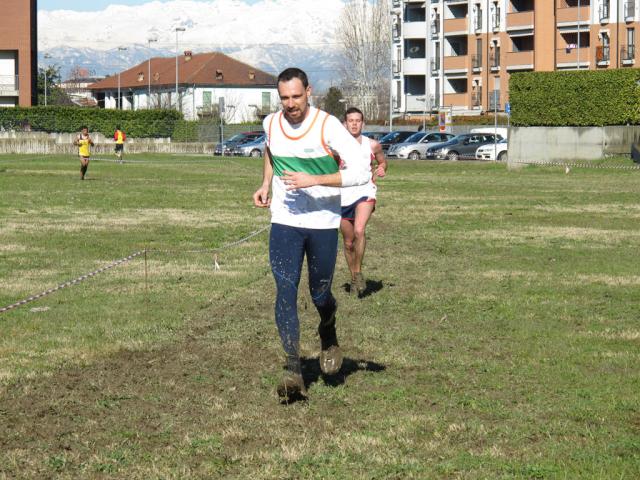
205, 81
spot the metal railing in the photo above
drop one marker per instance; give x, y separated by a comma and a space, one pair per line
494, 60
494, 100
477, 21
476, 98
627, 53
495, 20
9, 83
476, 61
435, 27
603, 54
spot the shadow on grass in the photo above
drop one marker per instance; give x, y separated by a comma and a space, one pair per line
311, 373
373, 286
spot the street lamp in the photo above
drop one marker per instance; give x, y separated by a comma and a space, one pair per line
46, 67
177, 29
149, 42
119, 100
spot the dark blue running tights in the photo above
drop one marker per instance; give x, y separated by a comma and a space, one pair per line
287, 248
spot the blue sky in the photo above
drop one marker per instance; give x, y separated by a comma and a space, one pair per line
93, 5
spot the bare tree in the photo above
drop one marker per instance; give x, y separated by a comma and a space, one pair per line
364, 31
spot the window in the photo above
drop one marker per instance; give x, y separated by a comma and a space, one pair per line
266, 101
206, 99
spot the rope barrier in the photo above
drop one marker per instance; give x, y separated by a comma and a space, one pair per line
75, 281
213, 250
128, 258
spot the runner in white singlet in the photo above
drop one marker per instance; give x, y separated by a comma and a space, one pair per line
359, 202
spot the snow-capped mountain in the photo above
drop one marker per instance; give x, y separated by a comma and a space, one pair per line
270, 35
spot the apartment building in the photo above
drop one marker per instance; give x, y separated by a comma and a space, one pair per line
18, 53
459, 54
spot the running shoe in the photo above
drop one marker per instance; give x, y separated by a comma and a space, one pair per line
291, 387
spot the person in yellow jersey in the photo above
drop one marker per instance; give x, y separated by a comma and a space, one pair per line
83, 142
120, 137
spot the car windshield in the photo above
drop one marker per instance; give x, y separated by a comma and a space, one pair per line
389, 137
415, 138
237, 137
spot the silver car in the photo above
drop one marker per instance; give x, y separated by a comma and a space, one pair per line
415, 147
252, 148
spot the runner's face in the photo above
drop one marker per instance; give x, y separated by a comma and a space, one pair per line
295, 99
354, 124
85, 131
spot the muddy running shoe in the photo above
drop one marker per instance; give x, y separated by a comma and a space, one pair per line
331, 360
330, 353
291, 387
360, 283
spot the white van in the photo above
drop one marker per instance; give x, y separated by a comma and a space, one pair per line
502, 131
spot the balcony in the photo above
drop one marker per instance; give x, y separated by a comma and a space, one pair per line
476, 62
569, 14
457, 62
9, 85
455, 100
520, 59
417, 103
415, 30
569, 56
455, 26
629, 10
603, 55
414, 66
519, 20
435, 65
628, 54
603, 13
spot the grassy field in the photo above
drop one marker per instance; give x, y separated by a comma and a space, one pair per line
499, 338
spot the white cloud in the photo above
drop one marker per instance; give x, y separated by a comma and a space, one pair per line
211, 25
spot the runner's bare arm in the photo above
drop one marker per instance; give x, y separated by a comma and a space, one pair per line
261, 196
381, 162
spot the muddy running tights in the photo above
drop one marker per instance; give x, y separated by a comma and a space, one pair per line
287, 248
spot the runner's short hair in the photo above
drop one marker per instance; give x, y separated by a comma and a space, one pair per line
83, 127
353, 110
291, 73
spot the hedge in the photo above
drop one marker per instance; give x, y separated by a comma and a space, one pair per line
135, 123
577, 98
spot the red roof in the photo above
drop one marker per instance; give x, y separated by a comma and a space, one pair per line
211, 69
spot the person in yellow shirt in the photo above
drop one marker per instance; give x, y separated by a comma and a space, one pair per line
83, 142
120, 137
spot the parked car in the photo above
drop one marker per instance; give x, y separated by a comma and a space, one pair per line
375, 135
493, 151
251, 148
226, 147
392, 138
460, 147
415, 147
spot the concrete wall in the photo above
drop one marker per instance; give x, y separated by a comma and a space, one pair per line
62, 144
563, 144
